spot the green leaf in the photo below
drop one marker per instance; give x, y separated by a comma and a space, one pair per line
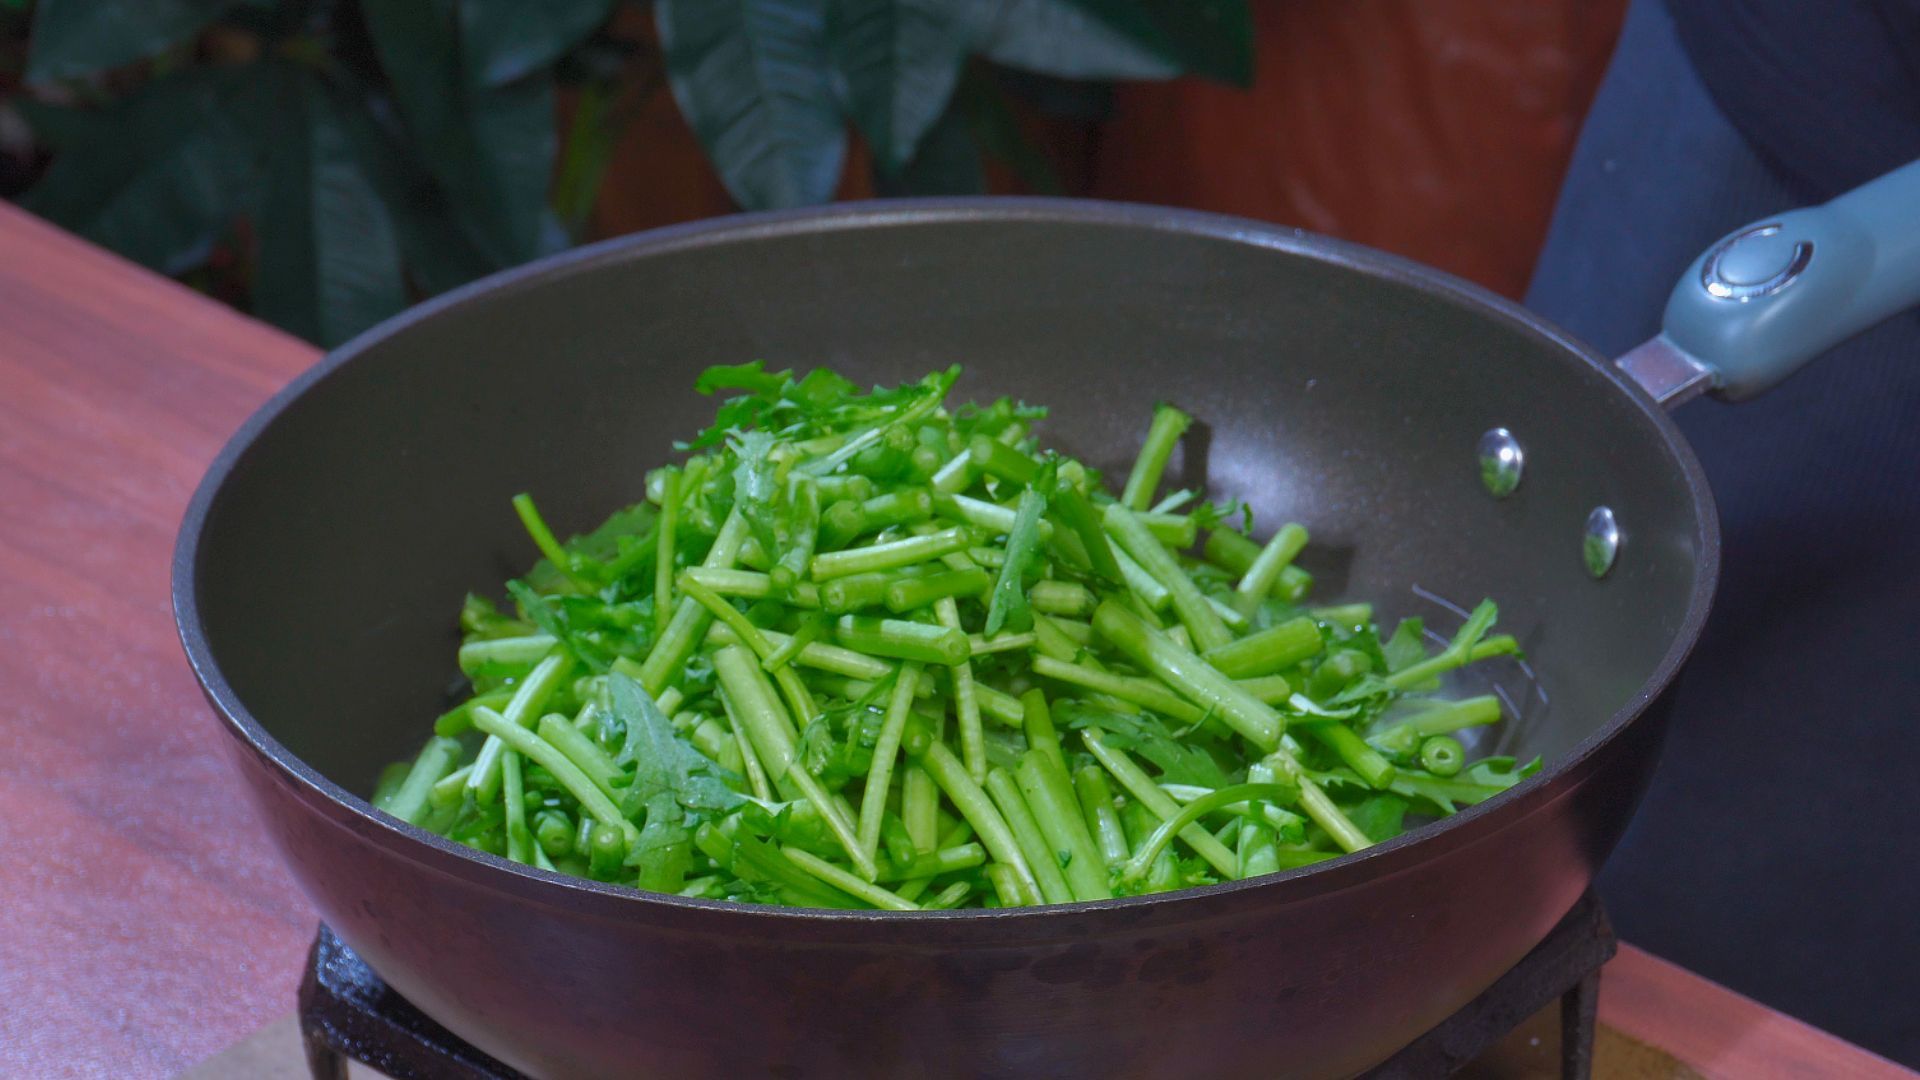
1008, 604
592, 631
1502, 771
838, 744
71, 38
155, 178
1056, 37
1207, 37
754, 488
900, 60
436, 250
1408, 644
753, 476
490, 147
663, 850
752, 376
1180, 759
822, 403
663, 762
947, 163
796, 823
601, 113
753, 79
1479, 782
481, 620
1087, 101
603, 543
1381, 817
507, 40
997, 132
1366, 692
515, 139
329, 260
440, 255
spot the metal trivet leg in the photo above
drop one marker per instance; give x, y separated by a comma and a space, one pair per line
1579, 1027
1566, 966
323, 1061
346, 1011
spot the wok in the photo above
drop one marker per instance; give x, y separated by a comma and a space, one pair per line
324, 555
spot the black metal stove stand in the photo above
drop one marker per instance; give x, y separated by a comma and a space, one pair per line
346, 1011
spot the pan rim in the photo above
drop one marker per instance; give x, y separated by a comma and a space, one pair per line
347, 810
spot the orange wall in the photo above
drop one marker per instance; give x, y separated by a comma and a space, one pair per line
1437, 129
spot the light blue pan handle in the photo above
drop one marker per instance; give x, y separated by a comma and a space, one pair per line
1771, 296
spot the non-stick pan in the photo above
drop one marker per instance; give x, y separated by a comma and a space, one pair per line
325, 554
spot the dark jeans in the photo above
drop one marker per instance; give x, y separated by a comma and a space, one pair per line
1778, 851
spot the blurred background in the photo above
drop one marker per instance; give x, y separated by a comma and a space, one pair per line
323, 163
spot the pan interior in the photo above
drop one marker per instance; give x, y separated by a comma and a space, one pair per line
1333, 388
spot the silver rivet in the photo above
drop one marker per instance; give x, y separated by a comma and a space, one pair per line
1601, 544
1501, 461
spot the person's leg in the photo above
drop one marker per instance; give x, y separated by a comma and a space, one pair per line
1777, 851
1657, 175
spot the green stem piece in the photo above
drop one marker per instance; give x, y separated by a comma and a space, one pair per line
1136, 867
902, 640
1050, 796
543, 538
483, 783
1143, 692
873, 800
1163, 434
1268, 651
1042, 858
920, 808
1273, 558
1194, 678
1188, 602
846, 882
665, 542
1061, 598
582, 751
525, 742
1102, 817
890, 554
769, 733
1148, 794
435, 761
514, 802
978, 810
966, 700
907, 594
1369, 763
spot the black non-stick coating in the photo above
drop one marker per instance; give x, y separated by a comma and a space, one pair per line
1335, 387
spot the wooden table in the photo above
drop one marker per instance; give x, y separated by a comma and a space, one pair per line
145, 924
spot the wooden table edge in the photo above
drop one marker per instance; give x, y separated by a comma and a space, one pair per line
1720, 1032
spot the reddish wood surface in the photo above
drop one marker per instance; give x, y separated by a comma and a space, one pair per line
1721, 1033
146, 922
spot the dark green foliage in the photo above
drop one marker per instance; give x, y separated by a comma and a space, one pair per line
358, 155
79, 37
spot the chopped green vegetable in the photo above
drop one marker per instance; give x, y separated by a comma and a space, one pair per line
870, 650
1163, 434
